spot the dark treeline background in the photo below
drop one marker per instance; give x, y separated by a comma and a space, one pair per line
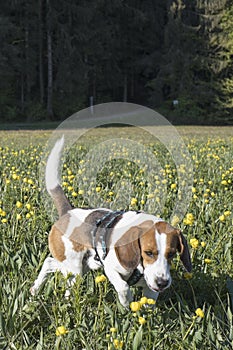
55, 55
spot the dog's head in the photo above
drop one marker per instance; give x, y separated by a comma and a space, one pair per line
154, 245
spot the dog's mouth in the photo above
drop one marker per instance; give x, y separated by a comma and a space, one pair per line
156, 289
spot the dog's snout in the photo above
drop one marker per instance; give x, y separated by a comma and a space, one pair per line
162, 283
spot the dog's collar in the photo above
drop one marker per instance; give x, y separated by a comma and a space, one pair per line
106, 222
135, 277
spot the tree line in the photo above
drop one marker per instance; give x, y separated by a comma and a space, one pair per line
57, 57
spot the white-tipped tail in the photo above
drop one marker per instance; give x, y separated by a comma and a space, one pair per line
51, 173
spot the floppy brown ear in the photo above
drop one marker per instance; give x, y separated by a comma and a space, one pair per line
128, 250
184, 252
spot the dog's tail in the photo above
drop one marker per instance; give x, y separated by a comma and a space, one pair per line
52, 179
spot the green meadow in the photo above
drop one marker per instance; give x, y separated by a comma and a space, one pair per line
196, 312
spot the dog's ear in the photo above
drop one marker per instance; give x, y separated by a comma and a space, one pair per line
184, 252
127, 248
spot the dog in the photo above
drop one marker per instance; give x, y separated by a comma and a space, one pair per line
132, 247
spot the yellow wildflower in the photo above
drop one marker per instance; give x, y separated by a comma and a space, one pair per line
222, 218
141, 320
207, 261
134, 201
61, 331
189, 219
19, 204
224, 182
175, 220
100, 279
135, 306
188, 275
28, 206
199, 313
118, 343
143, 301
113, 330
194, 243
151, 301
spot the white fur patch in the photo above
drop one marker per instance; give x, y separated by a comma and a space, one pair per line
130, 219
51, 173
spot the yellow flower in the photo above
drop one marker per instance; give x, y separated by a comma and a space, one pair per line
61, 331
28, 215
81, 192
189, 219
224, 182
74, 194
19, 204
18, 217
208, 261
199, 313
135, 306
100, 279
188, 275
141, 320
98, 189
143, 301
227, 212
173, 186
4, 221
222, 218
113, 330
134, 201
175, 220
194, 243
28, 206
118, 343
151, 301
15, 177
203, 244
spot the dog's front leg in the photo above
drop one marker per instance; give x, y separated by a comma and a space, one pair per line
50, 265
122, 288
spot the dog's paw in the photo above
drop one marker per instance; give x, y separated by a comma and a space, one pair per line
125, 297
33, 291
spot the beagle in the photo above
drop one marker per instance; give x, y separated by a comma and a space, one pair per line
133, 248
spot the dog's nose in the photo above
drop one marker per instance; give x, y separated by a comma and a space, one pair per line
162, 283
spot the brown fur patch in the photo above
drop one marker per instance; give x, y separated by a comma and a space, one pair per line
148, 243
56, 245
127, 248
60, 200
175, 242
81, 237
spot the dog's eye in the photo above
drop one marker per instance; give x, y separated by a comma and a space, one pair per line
149, 253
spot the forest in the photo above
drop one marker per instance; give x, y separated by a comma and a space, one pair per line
175, 56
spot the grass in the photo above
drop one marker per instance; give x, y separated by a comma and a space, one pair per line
92, 317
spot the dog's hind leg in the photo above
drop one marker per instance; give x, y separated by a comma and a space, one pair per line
50, 265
